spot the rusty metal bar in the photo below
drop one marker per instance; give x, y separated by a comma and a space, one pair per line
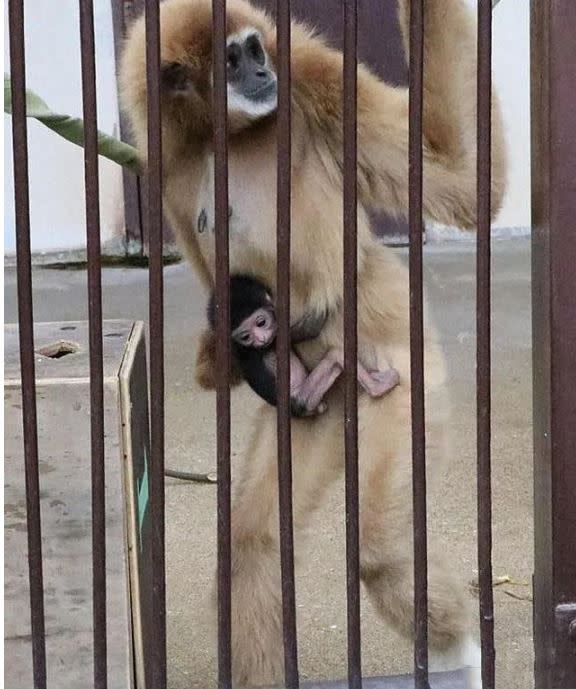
417, 346
284, 145
156, 315
553, 78
122, 14
351, 342
223, 346
26, 334
483, 342
91, 182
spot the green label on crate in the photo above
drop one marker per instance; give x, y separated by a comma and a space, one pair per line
143, 496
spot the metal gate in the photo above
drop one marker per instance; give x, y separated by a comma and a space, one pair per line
554, 309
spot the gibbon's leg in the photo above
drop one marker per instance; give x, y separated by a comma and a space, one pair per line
323, 376
317, 383
386, 548
375, 383
257, 650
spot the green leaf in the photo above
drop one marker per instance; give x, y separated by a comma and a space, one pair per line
72, 129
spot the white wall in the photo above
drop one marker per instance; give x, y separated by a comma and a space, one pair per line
511, 75
57, 209
56, 166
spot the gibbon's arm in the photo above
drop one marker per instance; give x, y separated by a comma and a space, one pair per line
259, 377
188, 244
449, 118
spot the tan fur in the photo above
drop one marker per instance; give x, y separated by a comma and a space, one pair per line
317, 284
205, 371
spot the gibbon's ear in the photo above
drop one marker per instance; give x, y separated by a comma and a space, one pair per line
177, 79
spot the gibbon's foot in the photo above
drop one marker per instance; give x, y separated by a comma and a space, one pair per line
464, 656
381, 382
302, 409
321, 408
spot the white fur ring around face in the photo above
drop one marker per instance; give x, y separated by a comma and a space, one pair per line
240, 105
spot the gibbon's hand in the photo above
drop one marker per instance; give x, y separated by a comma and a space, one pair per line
205, 372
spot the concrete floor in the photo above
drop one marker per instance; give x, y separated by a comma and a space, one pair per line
60, 295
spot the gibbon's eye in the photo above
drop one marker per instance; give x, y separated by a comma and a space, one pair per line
245, 337
234, 54
261, 321
254, 49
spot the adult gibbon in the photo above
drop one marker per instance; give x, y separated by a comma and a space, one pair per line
317, 279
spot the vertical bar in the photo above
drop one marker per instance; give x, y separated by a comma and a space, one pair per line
553, 77
130, 182
417, 347
483, 365
156, 315
351, 342
26, 334
223, 346
283, 186
95, 331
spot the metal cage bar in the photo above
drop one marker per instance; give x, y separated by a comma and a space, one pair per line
223, 347
156, 316
350, 230
483, 342
284, 195
26, 334
417, 345
122, 14
553, 83
91, 182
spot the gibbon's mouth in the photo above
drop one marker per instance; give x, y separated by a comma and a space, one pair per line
264, 93
262, 345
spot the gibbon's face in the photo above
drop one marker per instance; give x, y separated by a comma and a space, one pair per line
256, 331
252, 83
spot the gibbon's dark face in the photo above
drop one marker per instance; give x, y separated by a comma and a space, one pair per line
252, 83
252, 90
